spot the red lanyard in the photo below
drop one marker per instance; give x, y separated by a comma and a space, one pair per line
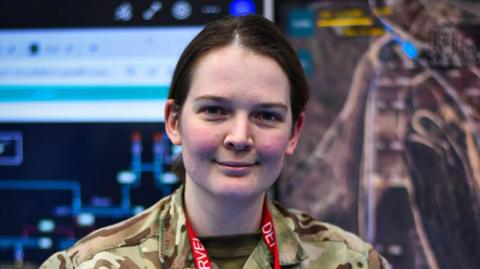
202, 261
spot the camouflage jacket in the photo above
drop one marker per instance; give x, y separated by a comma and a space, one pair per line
157, 238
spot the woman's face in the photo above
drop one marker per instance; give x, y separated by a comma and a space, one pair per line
235, 126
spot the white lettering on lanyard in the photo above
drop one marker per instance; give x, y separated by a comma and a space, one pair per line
202, 258
268, 234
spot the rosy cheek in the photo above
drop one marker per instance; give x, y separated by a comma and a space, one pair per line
272, 146
200, 139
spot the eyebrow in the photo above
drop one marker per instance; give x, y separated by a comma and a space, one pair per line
225, 100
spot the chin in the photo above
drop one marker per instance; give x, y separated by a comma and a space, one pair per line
237, 190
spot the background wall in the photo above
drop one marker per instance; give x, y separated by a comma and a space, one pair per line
392, 141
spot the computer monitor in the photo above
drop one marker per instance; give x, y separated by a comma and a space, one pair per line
82, 90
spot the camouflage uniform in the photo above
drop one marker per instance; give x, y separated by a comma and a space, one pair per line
157, 238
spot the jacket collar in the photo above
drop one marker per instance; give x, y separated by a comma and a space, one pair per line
174, 245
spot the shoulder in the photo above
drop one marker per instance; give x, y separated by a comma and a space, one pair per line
58, 260
116, 240
311, 230
320, 237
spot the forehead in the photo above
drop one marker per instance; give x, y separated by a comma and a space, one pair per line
237, 72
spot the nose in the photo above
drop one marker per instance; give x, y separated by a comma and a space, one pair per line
239, 137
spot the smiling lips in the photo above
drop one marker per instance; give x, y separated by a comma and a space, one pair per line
236, 168
236, 163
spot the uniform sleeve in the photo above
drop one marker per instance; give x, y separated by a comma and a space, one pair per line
376, 261
59, 260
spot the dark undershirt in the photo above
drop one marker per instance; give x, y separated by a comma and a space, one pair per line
230, 252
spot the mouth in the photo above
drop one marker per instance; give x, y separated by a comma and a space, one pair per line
238, 164
236, 168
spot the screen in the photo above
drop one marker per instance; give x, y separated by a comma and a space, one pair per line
88, 75
82, 92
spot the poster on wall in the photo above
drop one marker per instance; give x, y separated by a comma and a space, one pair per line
391, 148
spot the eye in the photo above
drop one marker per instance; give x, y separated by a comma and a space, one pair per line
268, 116
212, 112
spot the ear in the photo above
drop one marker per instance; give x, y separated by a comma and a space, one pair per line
292, 143
172, 119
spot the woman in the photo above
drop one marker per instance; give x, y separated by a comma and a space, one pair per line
236, 106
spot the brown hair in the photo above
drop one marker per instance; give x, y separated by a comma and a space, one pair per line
254, 32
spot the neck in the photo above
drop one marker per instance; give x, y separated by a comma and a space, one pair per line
216, 216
